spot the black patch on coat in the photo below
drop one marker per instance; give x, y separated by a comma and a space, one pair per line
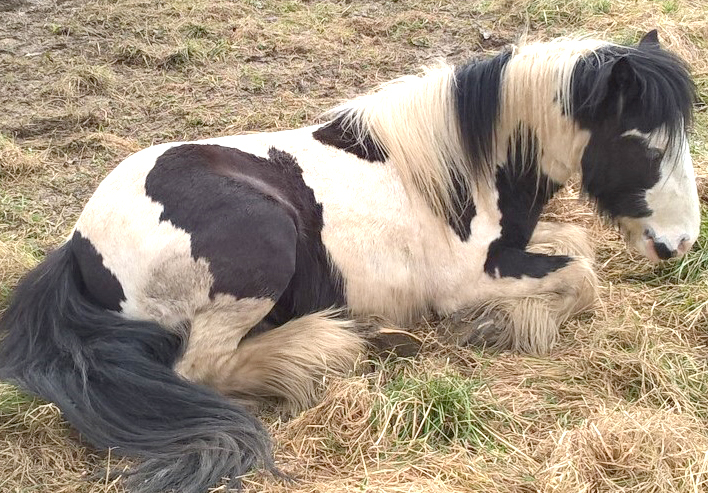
100, 285
477, 90
341, 136
512, 262
616, 89
523, 191
460, 218
113, 380
253, 219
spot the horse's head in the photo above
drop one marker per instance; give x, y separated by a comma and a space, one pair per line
636, 102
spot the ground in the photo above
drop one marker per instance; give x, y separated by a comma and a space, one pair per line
620, 404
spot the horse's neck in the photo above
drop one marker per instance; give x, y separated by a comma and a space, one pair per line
535, 94
555, 145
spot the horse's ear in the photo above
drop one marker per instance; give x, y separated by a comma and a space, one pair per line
624, 82
650, 40
623, 77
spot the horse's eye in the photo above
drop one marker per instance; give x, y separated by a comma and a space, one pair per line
655, 155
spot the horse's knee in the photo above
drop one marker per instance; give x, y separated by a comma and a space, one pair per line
570, 290
534, 320
581, 292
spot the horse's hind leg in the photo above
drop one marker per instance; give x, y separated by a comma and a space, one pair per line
215, 333
290, 362
527, 316
287, 363
249, 238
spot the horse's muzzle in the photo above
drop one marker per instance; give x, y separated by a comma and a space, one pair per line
662, 249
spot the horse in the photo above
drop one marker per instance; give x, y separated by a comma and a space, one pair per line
204, 275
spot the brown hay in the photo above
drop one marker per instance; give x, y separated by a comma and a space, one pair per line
38, 444
84, 80
335, 446
702, 183
634, 450
14, 262
104, 144
15, 161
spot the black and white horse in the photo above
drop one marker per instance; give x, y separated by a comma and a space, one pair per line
238, 266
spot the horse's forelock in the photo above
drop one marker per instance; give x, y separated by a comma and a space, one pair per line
660, 89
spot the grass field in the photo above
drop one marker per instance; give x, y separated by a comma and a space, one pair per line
621, 403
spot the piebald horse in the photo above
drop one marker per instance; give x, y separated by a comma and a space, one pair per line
204, 274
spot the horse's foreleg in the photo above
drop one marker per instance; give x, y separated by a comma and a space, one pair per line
544, 288
554, 238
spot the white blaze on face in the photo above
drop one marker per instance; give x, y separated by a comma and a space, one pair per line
675, 220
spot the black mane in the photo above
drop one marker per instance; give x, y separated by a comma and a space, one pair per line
477, 94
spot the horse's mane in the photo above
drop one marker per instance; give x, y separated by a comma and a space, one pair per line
450, 127
412, 120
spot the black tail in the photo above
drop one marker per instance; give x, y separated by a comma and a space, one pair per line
113, 380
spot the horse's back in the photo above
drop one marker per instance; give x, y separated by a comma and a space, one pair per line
175, 225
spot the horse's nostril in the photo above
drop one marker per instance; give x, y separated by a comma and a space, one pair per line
684, 245
663, 251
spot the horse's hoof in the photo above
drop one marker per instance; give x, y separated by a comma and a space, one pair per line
481, 332
387, 342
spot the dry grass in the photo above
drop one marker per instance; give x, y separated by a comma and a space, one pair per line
635, 451
85, 80
14, 262
620, 403
16, 161
38, 444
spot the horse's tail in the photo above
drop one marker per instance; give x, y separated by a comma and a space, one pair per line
114, 382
